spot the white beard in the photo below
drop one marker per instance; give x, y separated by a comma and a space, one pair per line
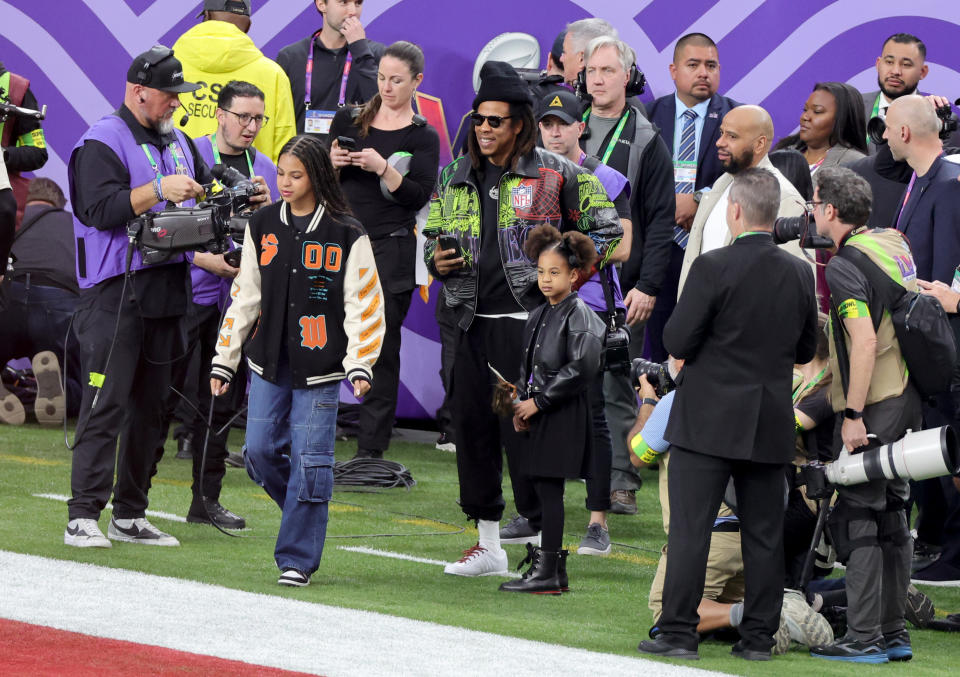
165, 126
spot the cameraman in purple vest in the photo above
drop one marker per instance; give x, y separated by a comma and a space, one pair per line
128, 318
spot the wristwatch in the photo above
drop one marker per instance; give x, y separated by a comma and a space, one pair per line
852, 414
649, 400
698, 196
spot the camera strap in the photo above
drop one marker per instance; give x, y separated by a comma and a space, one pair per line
607, 284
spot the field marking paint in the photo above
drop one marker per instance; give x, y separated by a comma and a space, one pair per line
152, 513
279, 631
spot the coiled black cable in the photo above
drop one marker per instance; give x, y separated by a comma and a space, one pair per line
372, 472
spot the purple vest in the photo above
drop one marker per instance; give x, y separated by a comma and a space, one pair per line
591, 292
208, 288
106, 250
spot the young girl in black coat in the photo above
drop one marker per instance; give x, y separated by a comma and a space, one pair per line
563, 342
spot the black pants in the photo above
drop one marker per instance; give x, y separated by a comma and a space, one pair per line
129, 409
696, 483
203, 327
35, 318
379, 406
481, 434
550, 494
664, 305
447, 324
598, 482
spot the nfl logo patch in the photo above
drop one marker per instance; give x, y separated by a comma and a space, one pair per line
522, 197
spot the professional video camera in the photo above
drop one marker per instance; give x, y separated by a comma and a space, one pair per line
658, 375
803, 228
917, 456
8, 109
207, 227
948, 125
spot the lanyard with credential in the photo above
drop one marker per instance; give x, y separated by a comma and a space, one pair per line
906, 199
216, 154
799, 393
616, 133
309, 82
875, 113
174, 151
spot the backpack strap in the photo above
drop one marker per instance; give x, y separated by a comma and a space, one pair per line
890, 292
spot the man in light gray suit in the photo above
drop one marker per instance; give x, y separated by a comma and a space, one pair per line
745, 136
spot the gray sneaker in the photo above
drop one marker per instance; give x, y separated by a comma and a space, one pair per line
518, 531
138, 530
596, 541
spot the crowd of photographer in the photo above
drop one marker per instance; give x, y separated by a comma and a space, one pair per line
589, 247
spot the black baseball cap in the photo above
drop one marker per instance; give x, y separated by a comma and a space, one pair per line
241, 7
562, 104
158, 68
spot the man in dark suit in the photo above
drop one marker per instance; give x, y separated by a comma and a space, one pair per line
747, 315
929, 210
689, 122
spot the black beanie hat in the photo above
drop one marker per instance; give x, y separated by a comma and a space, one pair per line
500, 82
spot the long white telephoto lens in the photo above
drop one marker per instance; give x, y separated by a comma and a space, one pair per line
917, 456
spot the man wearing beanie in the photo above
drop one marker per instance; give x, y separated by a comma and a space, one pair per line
127, 325
484, 205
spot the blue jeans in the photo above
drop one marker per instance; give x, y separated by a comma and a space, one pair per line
302, 422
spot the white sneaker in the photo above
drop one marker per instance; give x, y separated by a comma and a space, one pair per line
478, 561
138, 530
85, 533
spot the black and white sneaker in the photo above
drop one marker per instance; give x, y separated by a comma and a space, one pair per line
293, 578
85, 533
138, 530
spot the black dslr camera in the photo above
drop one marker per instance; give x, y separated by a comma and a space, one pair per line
801, 228
658, 375
948, 125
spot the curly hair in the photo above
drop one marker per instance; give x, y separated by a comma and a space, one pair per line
578, 249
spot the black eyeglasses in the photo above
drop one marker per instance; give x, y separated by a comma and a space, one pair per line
245, 118
493, 120
812, 205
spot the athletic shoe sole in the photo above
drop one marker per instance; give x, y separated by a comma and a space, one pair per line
85, 541
489, 573
587, 550
293, 582
900, 655
937, 584
11, 408
855, 659
167, 541
50, 405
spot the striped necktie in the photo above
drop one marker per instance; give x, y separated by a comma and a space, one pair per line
687, 152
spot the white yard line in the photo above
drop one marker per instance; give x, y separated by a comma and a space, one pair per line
151, 513
391, 555
277, 631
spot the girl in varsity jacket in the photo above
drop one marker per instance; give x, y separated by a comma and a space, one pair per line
308, 304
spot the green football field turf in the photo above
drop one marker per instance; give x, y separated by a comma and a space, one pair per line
606, 610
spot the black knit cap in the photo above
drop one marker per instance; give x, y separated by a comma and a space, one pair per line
500, 82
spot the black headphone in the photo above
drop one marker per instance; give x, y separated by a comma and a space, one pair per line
156, 54
636, 83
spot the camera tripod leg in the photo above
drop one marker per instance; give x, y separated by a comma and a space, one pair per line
823, 510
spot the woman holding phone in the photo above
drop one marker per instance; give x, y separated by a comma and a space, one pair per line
387, 158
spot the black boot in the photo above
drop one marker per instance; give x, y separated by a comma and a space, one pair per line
541, 578
562, 571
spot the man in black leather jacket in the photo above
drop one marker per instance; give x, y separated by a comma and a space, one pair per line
485, 204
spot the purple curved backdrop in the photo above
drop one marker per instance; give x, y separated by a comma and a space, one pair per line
76, 54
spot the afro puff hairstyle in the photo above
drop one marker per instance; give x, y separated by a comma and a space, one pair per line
576, 248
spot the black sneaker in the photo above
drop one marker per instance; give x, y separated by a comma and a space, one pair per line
853, 651
185, 448
660, 647
518, 531
740, 651
218, 515
898, 645
919, 608
924, 554
293, 578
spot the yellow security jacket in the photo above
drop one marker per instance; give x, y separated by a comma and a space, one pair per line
215, 52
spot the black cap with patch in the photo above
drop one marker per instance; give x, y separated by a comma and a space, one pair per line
564, 105
241, 7
159, 69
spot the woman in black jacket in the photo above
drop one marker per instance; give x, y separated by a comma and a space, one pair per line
387, 170
563, 341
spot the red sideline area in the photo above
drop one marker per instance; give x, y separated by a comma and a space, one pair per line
38, 650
